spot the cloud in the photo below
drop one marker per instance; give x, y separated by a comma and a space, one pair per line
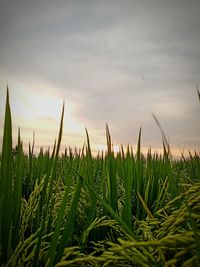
116, 61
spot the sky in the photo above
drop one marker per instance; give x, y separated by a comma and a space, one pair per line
114, 62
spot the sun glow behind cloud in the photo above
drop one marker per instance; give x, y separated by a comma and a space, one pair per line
39, 112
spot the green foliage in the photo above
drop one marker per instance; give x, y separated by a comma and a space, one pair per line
110, 210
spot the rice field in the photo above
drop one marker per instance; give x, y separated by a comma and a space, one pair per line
75, 209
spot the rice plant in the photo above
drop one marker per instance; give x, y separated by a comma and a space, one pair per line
74, 209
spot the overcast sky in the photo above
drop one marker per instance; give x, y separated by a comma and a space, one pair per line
111, 61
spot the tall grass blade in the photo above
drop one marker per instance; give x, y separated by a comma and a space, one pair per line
53, 172
60, 217
17, 195
165, 142
138, 179
69, 226
111, 173
128, 174
145, 205
90, 170
6, 186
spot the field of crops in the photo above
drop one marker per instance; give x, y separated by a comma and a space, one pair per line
75, 209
